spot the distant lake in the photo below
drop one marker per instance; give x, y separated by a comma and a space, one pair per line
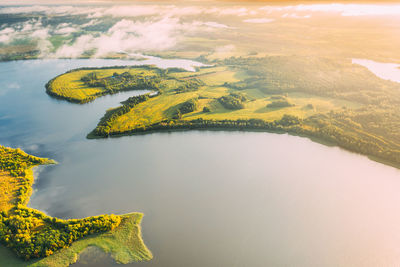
386, 71
210, 198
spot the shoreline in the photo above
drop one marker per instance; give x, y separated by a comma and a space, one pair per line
314, 139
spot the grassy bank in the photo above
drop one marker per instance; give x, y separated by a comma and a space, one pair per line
42, 240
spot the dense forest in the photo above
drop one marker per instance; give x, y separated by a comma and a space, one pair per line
28, 232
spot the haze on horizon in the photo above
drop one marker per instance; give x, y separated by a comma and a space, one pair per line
30, 2
192, 30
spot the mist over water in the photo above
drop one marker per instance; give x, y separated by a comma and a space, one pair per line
210, 198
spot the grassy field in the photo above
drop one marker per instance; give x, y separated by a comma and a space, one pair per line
9, 187
162, 107
32, 234
218, 81
69, 86
124, 244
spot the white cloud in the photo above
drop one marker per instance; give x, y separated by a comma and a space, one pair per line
23, 9
6, 34
161, 28
146, 10
91, 23
29, 29
353, 9
132, 11
185, 11
215, 25
66, 30
41, 34
295, 16
211, 24
35, 9
45, 47
129, 10
146, 27
238, 11
129, 36
168, 10
342, 9
26, 27
82, 44
49, 10
259, 20
7, 30
173, 10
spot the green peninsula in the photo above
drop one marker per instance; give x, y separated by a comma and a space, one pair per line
85, 85
40, 240
329, 100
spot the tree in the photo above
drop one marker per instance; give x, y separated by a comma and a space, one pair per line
206, 109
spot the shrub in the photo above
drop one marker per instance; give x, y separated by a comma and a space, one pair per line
232, 101
280, 104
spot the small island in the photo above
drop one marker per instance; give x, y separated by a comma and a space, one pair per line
40, 240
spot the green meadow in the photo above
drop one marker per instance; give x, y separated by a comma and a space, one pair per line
70, 86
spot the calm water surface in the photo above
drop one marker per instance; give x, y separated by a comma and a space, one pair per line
387, 71
210, 198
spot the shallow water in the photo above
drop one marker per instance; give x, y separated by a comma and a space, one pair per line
210, 198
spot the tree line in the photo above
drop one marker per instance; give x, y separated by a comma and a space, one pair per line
31, 233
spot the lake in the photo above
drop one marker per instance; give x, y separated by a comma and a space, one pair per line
386, 71
210, 198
